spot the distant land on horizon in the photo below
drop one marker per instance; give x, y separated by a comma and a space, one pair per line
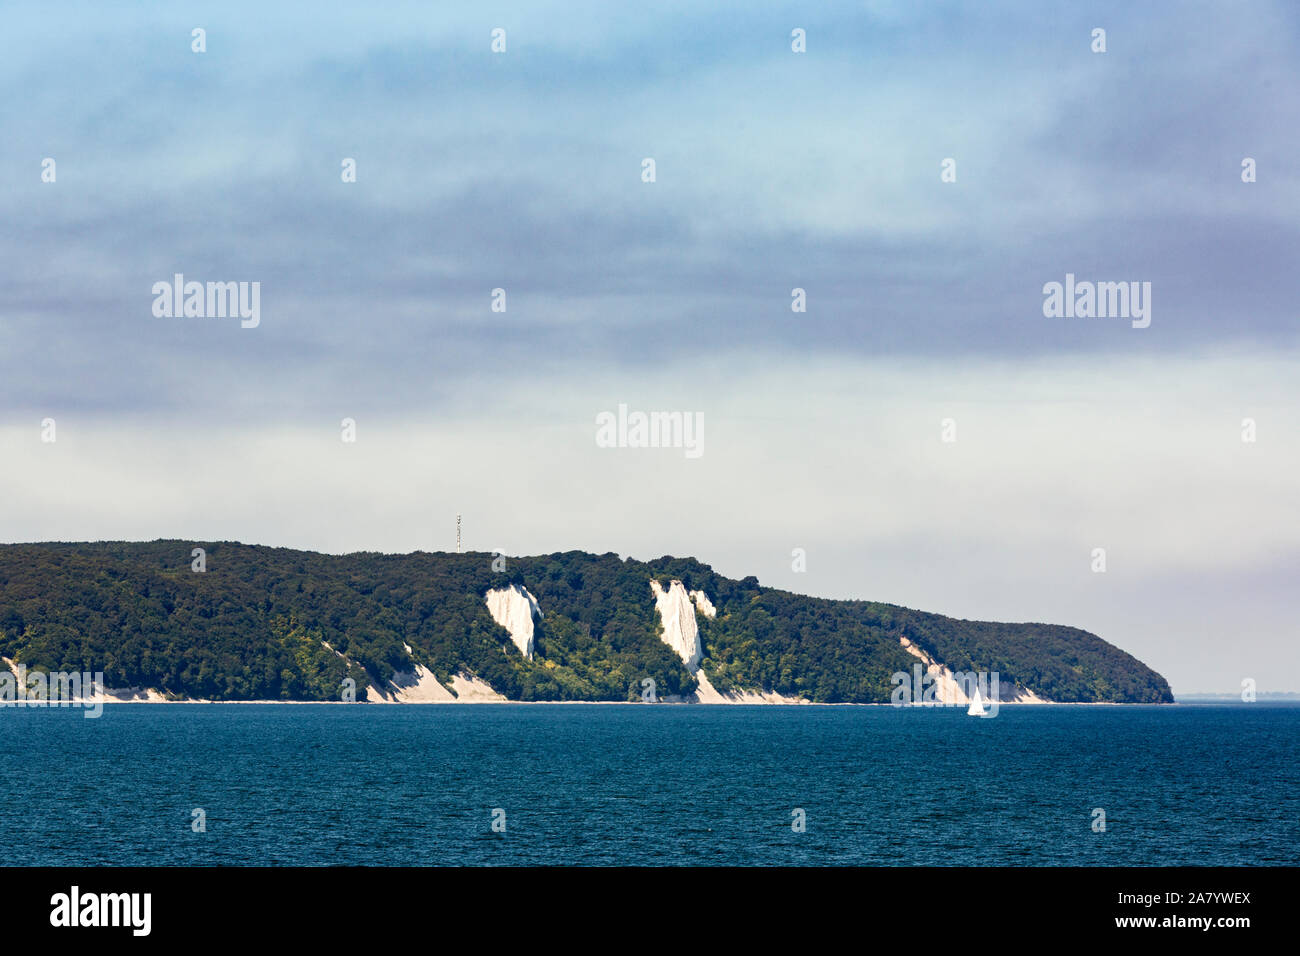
1235, 696
267, 623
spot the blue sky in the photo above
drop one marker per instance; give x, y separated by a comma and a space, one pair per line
775, 170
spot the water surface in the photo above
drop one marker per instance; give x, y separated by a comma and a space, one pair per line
638, 784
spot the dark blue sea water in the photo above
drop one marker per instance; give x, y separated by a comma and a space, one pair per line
600, 784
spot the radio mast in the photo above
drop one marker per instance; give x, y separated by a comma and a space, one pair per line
458, 534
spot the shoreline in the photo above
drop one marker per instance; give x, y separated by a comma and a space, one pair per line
42, 705
421, 687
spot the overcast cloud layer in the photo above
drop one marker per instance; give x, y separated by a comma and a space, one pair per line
775, 170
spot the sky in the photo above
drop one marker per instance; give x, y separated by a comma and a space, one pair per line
823, 430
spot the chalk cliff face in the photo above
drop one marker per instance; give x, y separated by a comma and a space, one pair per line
703, 604
514, 609
417, 686
677, 613
950, 691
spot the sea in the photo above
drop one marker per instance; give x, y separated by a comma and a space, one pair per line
650, 785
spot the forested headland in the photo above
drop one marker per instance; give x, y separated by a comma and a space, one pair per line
262, 623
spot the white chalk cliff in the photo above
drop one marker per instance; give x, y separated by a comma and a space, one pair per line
514, 609
949, 690
419, 686
703, 604
676, 608
677, 614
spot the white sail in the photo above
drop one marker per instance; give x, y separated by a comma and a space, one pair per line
976, 708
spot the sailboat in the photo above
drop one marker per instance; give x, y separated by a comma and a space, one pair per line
977, 708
